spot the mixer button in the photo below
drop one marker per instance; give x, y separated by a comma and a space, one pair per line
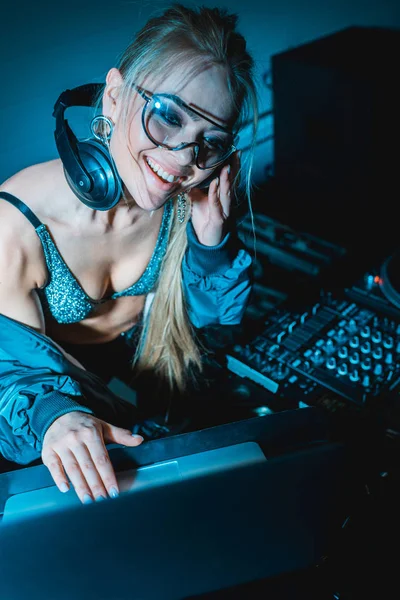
377, 353
366, 381
343, 352
378, 369
389, 358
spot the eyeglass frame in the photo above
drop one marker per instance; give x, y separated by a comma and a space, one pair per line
183, 104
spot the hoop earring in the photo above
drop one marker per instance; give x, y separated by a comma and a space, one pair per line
181, 207
102, 128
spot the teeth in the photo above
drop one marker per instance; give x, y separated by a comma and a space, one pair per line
160, 171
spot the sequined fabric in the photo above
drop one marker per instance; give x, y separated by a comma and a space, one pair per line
64, 298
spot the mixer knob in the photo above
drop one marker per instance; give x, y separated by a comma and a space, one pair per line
389, 358
377, 353
281, 372
331, 363
365, 331
354, 375
354, 358
366, 363
343, 353
366, 347
352, 326
342, 370
366, 381
376, 337
317, 357
354, 342
329, 347
341, 335
378, 369
388, 342
369, 281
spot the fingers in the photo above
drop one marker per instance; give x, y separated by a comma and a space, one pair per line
220, 194
52, 461
91, 472
120, 436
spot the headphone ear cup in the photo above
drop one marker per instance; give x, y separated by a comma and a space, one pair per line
106, 188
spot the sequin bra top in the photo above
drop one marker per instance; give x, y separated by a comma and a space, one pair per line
62, 296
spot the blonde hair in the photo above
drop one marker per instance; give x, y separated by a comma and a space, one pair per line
184, 37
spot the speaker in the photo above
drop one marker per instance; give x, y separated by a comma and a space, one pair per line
336, 133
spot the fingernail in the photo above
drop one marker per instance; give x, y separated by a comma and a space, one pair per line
229, 169
100, 498
64, 487
113, 492
139, 437
87, 499
217, 181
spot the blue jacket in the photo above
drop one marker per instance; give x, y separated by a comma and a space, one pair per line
38, 383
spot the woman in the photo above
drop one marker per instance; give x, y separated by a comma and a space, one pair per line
159, 263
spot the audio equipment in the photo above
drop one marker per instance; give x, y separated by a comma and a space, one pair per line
336, 126
347, 343
89, 168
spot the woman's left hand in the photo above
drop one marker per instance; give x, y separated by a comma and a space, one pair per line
211, 208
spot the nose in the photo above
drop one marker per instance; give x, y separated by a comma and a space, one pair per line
186, 156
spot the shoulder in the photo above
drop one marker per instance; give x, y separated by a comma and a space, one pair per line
20, 247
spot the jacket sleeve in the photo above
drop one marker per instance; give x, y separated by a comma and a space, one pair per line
30, 400
216, 280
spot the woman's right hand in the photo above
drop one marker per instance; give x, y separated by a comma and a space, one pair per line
74, 445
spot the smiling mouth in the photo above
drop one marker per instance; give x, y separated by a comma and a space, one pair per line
162, 173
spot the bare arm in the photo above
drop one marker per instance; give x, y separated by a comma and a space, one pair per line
74, 443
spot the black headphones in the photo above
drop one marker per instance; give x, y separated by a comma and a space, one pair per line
88, 165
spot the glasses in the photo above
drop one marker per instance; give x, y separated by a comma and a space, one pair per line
167, 121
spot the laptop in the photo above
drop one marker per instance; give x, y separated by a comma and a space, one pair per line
224, 527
